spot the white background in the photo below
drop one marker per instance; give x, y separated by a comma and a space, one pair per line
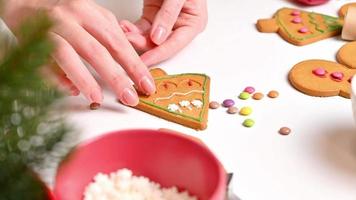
317, 161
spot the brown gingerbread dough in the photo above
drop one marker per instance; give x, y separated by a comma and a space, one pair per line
301, 27
303, 77
181, 98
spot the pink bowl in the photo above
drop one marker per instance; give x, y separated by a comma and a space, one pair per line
167, 158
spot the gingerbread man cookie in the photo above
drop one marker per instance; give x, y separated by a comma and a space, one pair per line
300, 27
324, 78
182, 98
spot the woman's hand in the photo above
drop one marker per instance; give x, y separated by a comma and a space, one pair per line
85, 30
166, 27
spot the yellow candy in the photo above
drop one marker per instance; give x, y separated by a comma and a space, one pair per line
246, 111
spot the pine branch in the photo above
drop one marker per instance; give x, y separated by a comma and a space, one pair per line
28, 129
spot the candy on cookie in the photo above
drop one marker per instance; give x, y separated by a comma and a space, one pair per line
301, 27
181, 98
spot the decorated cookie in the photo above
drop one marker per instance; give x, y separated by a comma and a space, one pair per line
347, 55
300, 27
344, 8
182, 98
322, 78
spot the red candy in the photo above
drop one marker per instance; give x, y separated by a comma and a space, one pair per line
337, 76
295, 13
297, 20
303, 30
321, 72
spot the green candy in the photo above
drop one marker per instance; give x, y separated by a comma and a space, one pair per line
248, 123
244, 95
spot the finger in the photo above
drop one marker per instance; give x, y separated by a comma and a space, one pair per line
98, 57
139, 42
129, 27
70, 63
165, 19
57, 78
177, 41
143, 25
110, 35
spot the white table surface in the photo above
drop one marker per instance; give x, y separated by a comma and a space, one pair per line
317, 161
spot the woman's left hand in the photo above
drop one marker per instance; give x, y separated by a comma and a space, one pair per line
166, 27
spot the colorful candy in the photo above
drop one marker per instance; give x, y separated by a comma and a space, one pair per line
297, 20
245, 111
232, 110
248, 123
285, 131
337, 76
303, 30
228, 103
214, 105
321, 72
244, 95
295, 13
258, 96
249, 90
273, 94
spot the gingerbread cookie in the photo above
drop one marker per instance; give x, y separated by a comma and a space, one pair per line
300, 27
182, 98
344, 8
347, 55
325, 78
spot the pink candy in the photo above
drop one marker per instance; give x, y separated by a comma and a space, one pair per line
296, 13
303, 30
297, 20
321, 72
249, 90
337, 76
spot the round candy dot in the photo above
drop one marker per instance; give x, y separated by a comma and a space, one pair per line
249, 90
232, 110
321, 72
94, 106
214, 105
285, 131
295, 13
273, 94
244, 95
228, 103
297, 20
258, 96
248, 123
338, 76
303, 30
246, 111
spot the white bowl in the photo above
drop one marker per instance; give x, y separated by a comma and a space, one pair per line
353, 97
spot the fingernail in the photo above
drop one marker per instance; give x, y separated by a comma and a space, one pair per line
147, 85
159, 35
94, 106
129, 97
124, 28
96, 96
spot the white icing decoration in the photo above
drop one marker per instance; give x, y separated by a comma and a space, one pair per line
178, 93
174, 108
197, 103
185, 104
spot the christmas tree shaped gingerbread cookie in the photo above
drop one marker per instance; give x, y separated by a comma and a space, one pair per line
181, 98
325, 78
300, 27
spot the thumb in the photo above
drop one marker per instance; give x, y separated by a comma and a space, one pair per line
165, 19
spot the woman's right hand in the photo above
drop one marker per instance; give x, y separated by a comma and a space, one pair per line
84, 29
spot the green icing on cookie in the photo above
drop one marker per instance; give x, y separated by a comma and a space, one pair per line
200, 118
332, 23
